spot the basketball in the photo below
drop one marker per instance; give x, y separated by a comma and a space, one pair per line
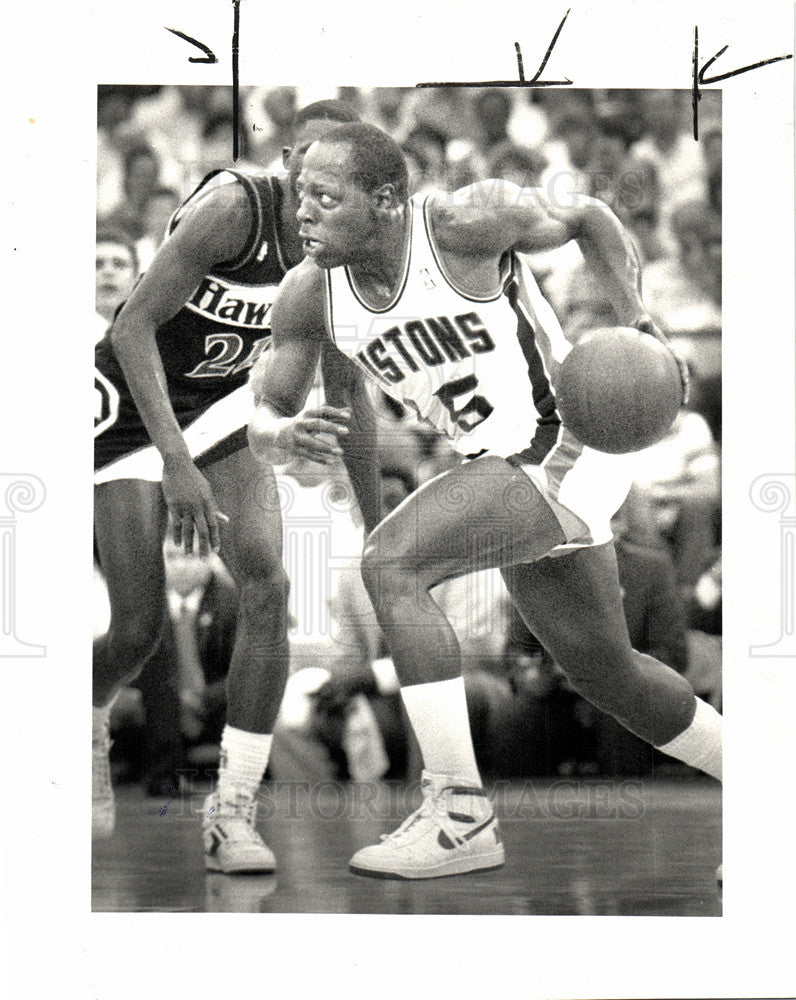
619, 390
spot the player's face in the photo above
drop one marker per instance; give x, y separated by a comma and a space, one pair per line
336, 217
115, 274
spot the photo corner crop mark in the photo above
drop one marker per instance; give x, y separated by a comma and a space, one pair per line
701, 79
210, 57
535, 81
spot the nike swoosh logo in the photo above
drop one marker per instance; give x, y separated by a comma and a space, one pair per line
445, 842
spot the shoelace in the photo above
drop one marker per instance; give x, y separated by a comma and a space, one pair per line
240, 809
433, 810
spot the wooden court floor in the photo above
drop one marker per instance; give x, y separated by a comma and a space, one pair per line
630, 847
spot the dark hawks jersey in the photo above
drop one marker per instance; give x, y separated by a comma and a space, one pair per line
209, 346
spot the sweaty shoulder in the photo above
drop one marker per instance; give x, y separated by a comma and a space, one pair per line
299, 307
494, 216
216, 224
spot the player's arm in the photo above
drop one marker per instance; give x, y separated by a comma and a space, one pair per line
214, 230
493, 217
345, 388
283, 376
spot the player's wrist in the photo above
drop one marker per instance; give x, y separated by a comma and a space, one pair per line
177, 459
269, 435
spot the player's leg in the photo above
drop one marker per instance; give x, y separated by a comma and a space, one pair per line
129, 524
129, 527
251, 546
482, 514
478, 515
573, 604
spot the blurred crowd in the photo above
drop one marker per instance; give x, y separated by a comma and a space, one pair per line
342, 717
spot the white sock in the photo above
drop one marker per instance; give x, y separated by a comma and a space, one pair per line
438, 713
244, 758
700, 744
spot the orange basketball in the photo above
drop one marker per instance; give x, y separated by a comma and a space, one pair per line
619, 390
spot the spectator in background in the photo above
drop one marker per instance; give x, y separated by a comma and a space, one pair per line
216, 142
271, 111
160, 207
621, 112
680, 477
572, 133
629, 184
203, 606
117, 269
711, 143
141, 180
668, 144
114, 106
386, 108
518, 164
683, 294
426, 148
608, 171
492, 110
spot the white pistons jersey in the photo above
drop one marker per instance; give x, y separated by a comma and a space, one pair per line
476, 368
481, 370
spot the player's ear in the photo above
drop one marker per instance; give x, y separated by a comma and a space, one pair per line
286, 151
385, 198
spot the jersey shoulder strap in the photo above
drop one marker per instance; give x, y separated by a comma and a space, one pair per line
263, 196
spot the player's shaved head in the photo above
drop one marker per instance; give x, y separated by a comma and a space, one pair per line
329, 111
374, 159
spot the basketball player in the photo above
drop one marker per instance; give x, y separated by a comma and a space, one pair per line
432, 300
174, 371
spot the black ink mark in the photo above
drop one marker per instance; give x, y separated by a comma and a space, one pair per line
535, 81
700, 77
235, 78
209, 54
519, 61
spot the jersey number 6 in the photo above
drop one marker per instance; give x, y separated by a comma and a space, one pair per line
474, 412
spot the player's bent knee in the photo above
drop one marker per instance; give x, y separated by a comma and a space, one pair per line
132, 643
265, 593
386, 579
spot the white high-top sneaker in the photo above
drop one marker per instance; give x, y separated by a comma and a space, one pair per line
454, 831
231, 842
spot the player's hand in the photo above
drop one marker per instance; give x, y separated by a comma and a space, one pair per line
192, 507
315, 434
646, 325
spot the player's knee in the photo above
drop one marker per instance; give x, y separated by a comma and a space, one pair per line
132, 642
387, 579
266, 592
